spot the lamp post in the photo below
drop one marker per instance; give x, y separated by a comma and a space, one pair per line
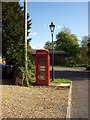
52, 27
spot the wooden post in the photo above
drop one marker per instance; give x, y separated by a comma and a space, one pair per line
25, 23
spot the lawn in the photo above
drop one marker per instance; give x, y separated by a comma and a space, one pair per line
61, 81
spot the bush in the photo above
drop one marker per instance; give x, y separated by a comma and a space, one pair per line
22, 74
88, 68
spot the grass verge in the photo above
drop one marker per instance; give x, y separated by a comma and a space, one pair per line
61, 81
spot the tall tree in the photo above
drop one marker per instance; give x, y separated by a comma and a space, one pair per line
48, 45
84, 41
13, 43
65, 41
84, 50
69, 43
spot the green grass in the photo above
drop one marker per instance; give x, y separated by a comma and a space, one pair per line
61, 81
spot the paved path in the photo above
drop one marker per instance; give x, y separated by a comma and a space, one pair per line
79, 96
70, 73
79, 99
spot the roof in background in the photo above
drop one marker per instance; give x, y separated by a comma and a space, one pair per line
33, 51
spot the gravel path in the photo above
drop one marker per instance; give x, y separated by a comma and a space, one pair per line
34, 102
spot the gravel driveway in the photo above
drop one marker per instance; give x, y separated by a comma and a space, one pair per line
33, 102
41, 101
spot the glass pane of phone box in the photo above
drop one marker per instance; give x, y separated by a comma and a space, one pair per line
42, 68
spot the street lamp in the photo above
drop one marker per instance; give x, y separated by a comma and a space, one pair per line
52, 27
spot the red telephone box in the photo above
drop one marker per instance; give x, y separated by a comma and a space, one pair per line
42, 67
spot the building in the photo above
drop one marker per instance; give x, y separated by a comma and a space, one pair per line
59, 56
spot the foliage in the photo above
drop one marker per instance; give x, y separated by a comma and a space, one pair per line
48, 45
13, 42
13, 33
78, 54
83, 51
88, 54
21, 73
31, 70
66, 30
84, 41
65, 41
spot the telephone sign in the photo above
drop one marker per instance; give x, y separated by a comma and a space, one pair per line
42, 67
